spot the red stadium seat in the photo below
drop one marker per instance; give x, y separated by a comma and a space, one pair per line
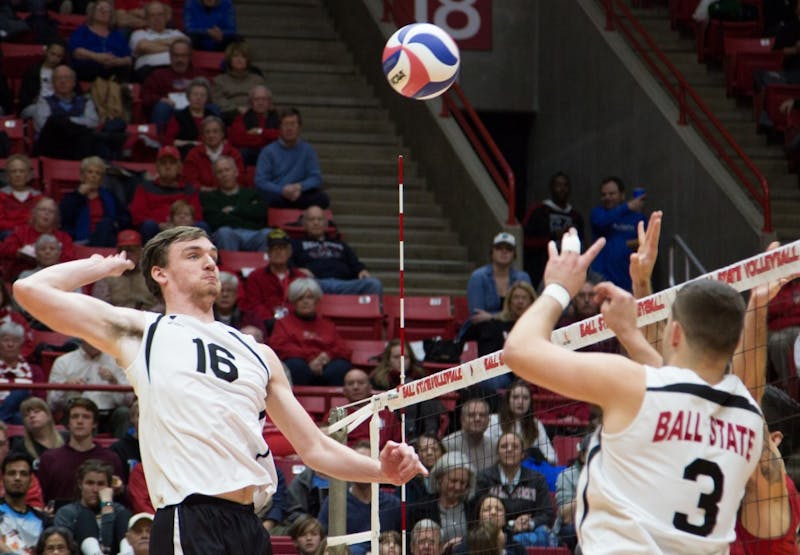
425, 317
283, 545
288, 219
680, 12
15, 430
745, 55
17, 58
85, 251
711, 35
242, 262
277, 442
547, 551
67, 23
355, 316
566, 448
770, 100
138, 135
16, 131
366, 352
60, 176
210, 61
290, 466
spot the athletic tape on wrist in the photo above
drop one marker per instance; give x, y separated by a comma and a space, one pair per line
559, 293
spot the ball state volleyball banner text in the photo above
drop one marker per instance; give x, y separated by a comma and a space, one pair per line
469, 22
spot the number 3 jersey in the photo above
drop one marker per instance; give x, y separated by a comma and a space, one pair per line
673, 480
202, 395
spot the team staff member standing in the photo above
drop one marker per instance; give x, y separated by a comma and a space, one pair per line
204, 390
667, 470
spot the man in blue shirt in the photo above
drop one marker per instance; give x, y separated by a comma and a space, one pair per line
287, 170
617, 221
20, 524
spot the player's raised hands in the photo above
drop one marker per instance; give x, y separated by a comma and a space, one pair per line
617, 306
568, 268
114, 264
643, 260
400, 463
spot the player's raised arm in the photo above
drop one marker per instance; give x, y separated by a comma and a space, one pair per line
597, 378
398, 462
48, 296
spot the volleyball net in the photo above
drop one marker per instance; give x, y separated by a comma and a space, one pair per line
451, 405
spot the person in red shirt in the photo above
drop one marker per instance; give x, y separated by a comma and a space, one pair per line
18, 198
357, 387
307, 343
150, 207
257, 127
17, 251
198, 166
266, 290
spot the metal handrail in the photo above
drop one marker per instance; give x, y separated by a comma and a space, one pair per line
689, 261
471, 125
683, 93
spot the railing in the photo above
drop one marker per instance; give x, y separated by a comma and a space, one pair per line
678, 247
689, 104
470, 123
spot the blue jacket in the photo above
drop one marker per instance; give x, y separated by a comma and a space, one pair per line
198, 19
75, 217
618, 226
482, 290
279, 165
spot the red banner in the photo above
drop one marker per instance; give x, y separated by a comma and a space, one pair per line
469, 22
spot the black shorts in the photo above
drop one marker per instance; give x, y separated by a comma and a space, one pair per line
203, 525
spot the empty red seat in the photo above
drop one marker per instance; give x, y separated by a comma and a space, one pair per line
209, 61
290, 466
241, 262
425, 317
288, 219
16, 131
711, 35
355, 316
745, 55
60, 176
566, 448
771, 99
17, 58
680, 12
366, 352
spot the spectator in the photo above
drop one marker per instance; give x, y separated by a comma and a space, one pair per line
472, 439
150, 207
37, 81
14, 368
232, 88
491, 335
426, 538
57, 539
491, 510
65, 121
275, 510
256, 127
287, 170
523, 491
18, 249
225, 306
128, 289
40, 430
583, 306
617, 221
57, 467
489, 284
127, 448
389, 543
211, 24
567, 497
181, 212
308, 344
8, 313
266, 291
183, 128
47, 251
452, 484
88, 365
307, 492
164, 89
547, 221
516, 415
21, 524
358, 388
18, 197
138, 535
307, 535
332, 262
198, 166
151, 42
33, 493
94, 515
359, 503
483, 537
97, 49
429, 448
92, 214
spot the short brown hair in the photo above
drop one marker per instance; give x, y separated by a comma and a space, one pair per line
711, 314
155, 251
94, 465
84, 403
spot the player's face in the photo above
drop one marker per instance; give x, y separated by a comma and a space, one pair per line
492, 510
17, 478
192, 269
427, 542
139, 535
90, 488
475, 419
519, 401
454, 485
356, 386
309, 541
509, 450
429, 451
18, 174
81, 422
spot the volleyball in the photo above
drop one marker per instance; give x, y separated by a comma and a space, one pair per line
421, 61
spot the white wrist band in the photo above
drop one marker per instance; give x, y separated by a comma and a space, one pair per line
559, 293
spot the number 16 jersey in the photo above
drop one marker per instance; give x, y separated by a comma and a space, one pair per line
672, 481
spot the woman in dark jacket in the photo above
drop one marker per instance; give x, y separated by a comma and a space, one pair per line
92, 214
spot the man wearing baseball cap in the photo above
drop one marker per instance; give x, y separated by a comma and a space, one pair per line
138, 535
151, 203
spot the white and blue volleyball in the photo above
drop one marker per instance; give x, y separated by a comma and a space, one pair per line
421, 61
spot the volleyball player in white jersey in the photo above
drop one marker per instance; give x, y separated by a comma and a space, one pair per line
667, 470
204, 391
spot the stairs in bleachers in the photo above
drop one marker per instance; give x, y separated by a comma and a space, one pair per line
306, 65
735, 114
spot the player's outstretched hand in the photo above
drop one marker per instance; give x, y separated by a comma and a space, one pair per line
617, 306
114, 264
643, 260
400, 463
568, 268
763, 294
